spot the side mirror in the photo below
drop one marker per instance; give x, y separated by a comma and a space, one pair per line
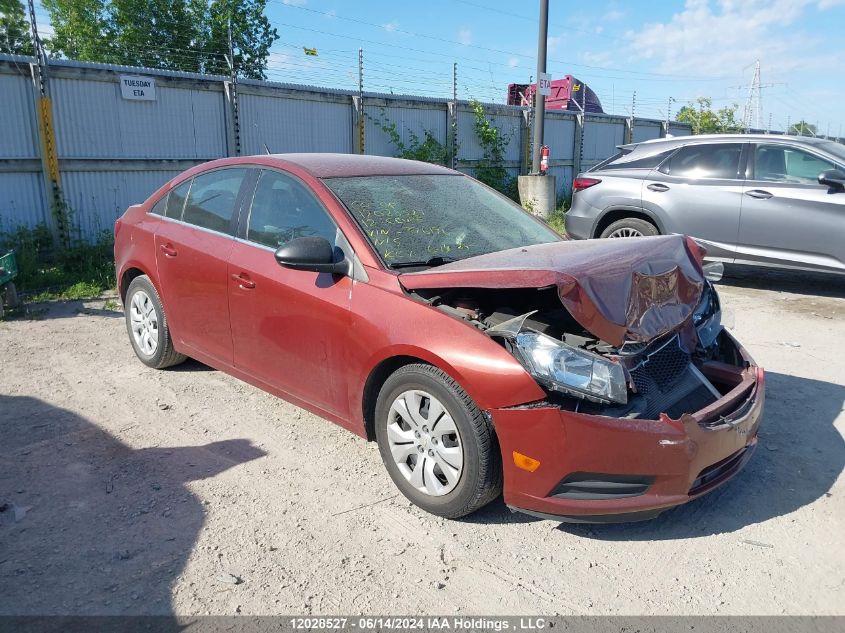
833, 178
314, 254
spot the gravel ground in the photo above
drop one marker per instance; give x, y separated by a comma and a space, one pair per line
133, 491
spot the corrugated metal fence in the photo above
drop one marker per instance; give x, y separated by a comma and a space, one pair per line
115, 152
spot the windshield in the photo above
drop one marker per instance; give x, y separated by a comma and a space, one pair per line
430, 220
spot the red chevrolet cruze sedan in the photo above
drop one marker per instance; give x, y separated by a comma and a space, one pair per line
409, 303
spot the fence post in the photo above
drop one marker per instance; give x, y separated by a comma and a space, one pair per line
525, 143
232, 116
57, 217
629, 130
578, 143
357, 125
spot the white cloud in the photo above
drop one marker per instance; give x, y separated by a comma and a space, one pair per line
553, 43
613, 15
721, 38
295, 3
513, 62
465, 37
331, 13
603, 58
391, 27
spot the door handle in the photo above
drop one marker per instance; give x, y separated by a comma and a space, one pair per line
243, 280
760, 194
656, 186
168, 250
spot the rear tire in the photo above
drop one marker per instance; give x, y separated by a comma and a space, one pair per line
452, 468
146, 324
630, 227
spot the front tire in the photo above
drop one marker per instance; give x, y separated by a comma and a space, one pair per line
630, 227
438, 447
146, 324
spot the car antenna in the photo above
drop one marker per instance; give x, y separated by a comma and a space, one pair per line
266, 149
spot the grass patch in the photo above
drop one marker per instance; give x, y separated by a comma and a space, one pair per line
45, 273
557, 221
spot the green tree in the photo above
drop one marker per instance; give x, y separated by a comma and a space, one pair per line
14, 29
802, 128
704, 120
186, 35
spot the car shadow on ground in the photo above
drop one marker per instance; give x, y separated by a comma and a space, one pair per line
89, 525
799, 457
782, 280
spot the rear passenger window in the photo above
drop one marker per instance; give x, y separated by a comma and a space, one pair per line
284, 209
211, 201
176, 200
712, 160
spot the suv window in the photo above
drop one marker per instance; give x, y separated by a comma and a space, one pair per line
782, 163
646, 162
176, 200
211, 202
283, 209
711, 160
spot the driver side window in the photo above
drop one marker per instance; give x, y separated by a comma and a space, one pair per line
284, 209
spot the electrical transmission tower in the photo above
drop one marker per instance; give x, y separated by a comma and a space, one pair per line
753, 108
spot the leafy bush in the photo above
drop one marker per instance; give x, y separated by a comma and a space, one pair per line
44, 272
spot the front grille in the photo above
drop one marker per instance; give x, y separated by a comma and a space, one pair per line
662, 368
601, 486
717, 471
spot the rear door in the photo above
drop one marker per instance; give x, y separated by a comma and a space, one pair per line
290, 327
788, 218
193, 244
698, 191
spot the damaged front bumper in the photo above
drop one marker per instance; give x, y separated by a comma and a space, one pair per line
594, 468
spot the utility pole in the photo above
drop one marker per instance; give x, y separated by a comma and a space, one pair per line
540, 99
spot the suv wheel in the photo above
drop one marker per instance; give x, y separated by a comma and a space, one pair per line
630, 227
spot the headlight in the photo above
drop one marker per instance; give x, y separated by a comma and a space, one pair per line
571, 370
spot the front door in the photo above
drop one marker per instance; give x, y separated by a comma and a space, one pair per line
788, 218
289, 327
192, 250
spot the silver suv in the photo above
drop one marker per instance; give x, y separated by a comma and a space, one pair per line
758, 199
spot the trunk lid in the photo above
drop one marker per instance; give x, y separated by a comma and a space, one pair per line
619, 290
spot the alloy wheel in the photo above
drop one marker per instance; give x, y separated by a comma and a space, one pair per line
626, 231
144, 322
425, 443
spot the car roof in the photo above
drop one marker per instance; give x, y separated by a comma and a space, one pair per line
705, 138
326, 165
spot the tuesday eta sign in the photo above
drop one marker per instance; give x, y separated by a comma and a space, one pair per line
137, 88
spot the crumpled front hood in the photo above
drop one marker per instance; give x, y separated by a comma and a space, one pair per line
617, 289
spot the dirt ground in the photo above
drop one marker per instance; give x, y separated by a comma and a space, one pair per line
132, 491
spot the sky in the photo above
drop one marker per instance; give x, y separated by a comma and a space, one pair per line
660, 49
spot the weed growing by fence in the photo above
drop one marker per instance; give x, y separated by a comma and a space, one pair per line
491, 168
80, 271
428, 150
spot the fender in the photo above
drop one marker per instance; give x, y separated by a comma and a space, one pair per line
637, 209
